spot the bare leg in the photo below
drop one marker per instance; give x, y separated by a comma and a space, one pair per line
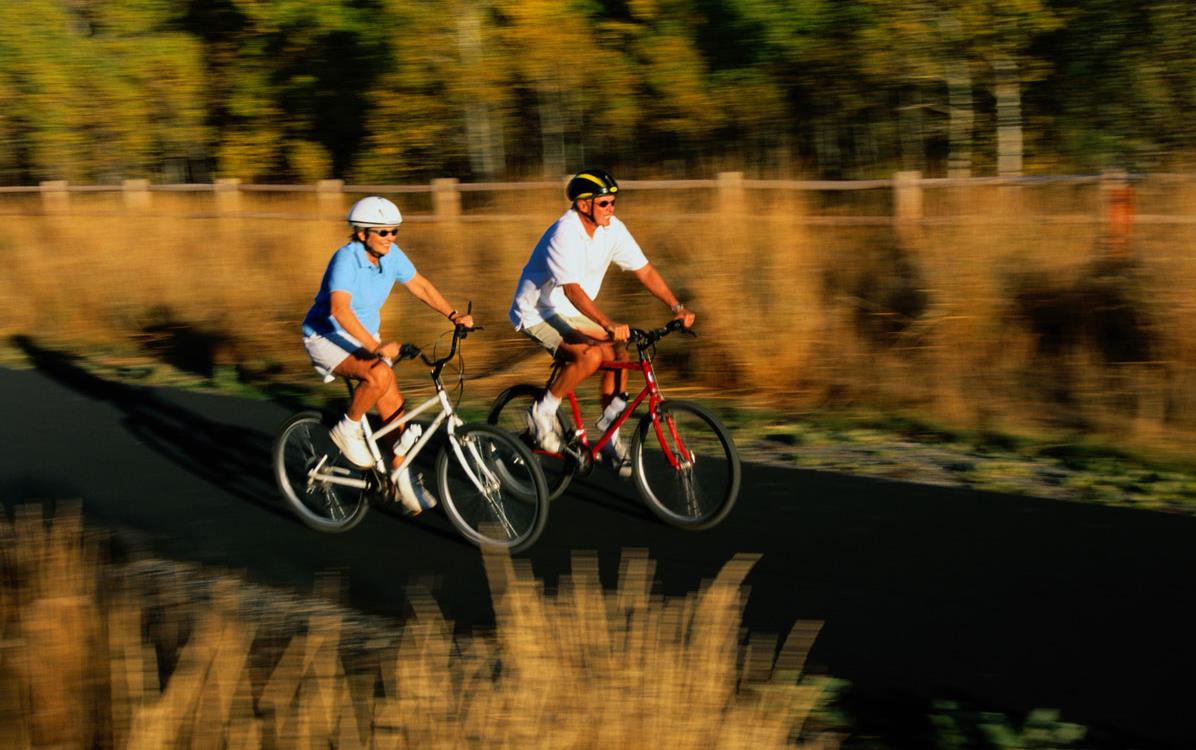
376, 387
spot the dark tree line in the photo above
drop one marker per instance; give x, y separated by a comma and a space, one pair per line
371, 90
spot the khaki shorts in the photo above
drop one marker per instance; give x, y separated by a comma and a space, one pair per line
551, 332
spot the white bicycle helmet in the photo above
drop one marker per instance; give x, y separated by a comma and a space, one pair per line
374, 212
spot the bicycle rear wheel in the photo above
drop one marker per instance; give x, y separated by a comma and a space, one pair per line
688, 472
303, 445
492, 488
509, 412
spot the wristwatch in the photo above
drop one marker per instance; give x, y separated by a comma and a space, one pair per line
678, 307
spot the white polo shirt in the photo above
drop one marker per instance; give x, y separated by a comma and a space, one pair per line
565, 254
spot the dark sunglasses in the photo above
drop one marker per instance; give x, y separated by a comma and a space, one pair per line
384, 232
605, 203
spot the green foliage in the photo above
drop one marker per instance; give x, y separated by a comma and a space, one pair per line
374, 90
956, 729
98, 91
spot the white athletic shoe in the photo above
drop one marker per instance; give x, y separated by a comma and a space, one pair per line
544, 429
614, 453
412, 493
350, 438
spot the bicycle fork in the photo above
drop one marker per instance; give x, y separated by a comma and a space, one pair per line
482, 477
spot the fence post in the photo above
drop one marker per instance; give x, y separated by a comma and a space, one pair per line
228, 195
55, 197
907, 196
1117, 212
446, 200
136, 194
731, 197
328, 197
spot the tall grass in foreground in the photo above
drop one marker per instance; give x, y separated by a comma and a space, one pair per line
1006, 308
89, 658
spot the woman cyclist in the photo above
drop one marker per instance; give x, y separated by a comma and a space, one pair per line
341, 333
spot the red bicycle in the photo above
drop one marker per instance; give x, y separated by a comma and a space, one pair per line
683, 460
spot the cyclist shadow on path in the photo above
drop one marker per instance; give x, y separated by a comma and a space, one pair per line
235, 459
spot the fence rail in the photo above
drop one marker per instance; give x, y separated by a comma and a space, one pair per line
907, 188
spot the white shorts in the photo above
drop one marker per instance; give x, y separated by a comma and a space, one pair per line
327, 352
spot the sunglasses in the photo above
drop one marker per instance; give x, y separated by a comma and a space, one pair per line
384, 232
605, 203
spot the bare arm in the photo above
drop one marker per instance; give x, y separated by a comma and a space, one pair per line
587, 307
655, 283
425, 291
342, 311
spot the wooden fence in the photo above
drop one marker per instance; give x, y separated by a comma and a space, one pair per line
906, 203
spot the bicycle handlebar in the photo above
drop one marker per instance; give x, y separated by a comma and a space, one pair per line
411, 351
644, 338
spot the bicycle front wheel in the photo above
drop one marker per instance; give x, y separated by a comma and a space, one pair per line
492, 488
303, 453
510, 413
685, 465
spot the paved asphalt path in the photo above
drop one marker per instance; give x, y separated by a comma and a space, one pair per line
999, 601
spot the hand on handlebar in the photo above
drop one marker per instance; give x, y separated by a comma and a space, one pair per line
465, 321
618, 331
388, 350
687, 317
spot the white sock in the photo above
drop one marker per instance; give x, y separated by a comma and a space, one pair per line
549, 403
350, 424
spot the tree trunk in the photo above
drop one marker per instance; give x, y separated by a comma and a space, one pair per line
552, 129
1009, 118
959, 100
484, 138
913, 143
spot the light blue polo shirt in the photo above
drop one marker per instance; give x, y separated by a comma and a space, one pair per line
350, 271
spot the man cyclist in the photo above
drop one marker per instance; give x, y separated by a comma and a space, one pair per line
341, 335
554, 302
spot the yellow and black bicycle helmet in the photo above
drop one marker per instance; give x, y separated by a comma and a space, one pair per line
591, 182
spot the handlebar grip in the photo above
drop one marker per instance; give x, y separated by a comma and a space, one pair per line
409, 351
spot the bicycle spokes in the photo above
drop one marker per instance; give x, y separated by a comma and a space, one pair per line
325, 496
685, 465
688, 490
493, 488
332, 503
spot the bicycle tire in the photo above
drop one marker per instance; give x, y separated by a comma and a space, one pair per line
702, 492
508, 412
512, 511
302, 444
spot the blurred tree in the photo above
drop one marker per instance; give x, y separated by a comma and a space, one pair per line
414, 120
99, 90
797, 64
568, 63
379, 90
289, 82
1124, 85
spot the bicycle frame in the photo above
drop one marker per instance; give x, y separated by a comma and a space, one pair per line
651, 391
447, 417
371, 439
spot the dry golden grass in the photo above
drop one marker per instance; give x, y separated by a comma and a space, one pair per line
1003, 309
82, 650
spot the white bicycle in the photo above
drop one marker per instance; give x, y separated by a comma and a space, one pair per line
490, 485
